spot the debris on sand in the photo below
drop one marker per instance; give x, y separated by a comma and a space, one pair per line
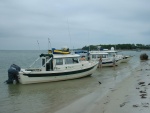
142, 91
141, 83
121, 105
135, 105
145, 104
99, 82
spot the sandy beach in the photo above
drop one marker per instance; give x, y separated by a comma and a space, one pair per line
131, 95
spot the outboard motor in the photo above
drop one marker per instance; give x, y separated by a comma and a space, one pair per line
13, 74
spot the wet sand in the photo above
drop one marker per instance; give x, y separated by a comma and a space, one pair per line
131, 95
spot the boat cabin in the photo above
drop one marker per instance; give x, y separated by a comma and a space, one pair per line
59, 61
95, 55
110, 52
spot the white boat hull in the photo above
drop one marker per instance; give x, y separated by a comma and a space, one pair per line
51, 76
125, 59
110, 63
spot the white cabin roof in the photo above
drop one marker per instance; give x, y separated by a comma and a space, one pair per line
110, 51
65, 55
98, 52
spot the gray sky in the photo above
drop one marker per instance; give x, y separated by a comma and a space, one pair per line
73, 23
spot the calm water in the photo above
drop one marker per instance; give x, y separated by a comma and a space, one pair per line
49, 97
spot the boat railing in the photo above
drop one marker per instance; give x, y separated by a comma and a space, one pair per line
34, 62
47, 62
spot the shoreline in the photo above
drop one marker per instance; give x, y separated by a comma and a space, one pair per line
130, 95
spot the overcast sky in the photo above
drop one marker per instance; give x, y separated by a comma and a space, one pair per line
72, 23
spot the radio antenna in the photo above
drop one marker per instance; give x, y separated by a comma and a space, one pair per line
69, 32
38, 44
49, 44
89, 40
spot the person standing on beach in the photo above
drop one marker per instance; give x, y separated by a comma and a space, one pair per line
114, 61
100, 62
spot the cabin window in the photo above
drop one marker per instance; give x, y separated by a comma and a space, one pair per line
75, 60
93, 56
59, 61
98, 56
69, 61
104, 56
110, 54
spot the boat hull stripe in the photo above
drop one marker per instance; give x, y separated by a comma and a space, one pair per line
58, 74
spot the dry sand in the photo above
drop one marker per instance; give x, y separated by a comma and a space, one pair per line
132, 95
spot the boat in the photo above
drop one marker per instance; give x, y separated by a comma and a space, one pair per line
125, 59
82, 52
121, 58
56, 67
106, 60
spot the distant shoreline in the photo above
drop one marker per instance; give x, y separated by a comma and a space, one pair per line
81, 49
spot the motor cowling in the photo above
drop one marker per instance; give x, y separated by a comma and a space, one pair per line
13, 72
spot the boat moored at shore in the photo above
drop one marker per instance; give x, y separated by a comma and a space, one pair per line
57, 67
122, 58
106, 60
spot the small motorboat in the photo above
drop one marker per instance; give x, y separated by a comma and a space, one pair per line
125, 59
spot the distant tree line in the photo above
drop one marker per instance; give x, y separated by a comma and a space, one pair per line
117, 46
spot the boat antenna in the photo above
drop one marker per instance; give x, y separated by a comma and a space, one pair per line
49, 44
38, 44
69, 32
89, 40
